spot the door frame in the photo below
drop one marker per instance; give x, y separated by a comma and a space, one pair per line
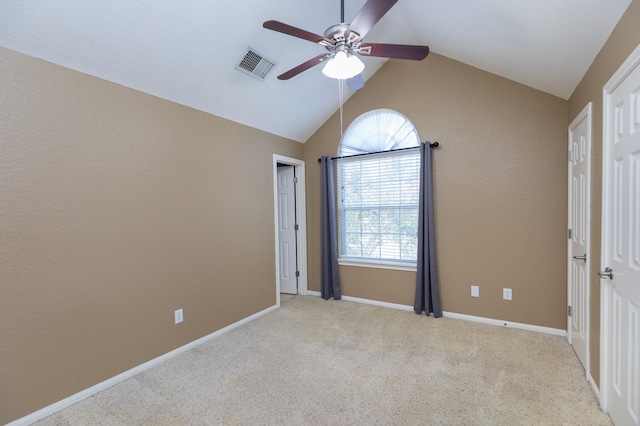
301, 216
585, 114
623, 72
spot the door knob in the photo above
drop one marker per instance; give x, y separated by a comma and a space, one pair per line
607, 273
583, 257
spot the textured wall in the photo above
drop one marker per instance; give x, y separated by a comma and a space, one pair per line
500, 189
116, 209
624, 39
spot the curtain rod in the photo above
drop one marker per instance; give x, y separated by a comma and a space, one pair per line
432, 145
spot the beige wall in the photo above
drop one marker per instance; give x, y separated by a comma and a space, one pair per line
500, 189
116, 209
624, 39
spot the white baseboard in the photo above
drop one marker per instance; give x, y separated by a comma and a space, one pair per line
75, 398
510, 324
378, 303
595, 389
530, 327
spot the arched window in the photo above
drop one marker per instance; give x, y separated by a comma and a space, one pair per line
378, 189
377, 131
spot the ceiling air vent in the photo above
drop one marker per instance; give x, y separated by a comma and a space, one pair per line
255, 65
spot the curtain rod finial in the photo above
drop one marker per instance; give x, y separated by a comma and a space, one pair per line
434, 145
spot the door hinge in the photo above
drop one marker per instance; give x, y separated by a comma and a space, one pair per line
295, 179
569, 233
569, 310
570, 155
297, 273
296, 227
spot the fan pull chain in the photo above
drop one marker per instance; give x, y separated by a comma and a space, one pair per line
341, 100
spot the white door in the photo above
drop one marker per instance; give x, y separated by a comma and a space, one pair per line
287, 230
620, 268
579, 223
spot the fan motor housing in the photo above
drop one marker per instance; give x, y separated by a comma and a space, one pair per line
336, 33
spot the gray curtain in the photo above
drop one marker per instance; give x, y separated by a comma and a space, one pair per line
329, 239
427, 287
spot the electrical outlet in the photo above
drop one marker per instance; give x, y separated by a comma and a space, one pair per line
506, 293
475, 291
177, 316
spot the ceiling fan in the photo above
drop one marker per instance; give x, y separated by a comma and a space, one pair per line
344, 41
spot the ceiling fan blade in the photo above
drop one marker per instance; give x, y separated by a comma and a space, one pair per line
293, 31
369, 15
396, 51
303, 66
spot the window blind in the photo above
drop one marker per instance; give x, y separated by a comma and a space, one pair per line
378, 206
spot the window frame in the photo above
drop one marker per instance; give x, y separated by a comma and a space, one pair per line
381, 263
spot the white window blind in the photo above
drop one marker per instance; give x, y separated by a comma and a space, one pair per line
378, 197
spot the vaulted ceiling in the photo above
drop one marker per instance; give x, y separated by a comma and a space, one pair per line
187, 51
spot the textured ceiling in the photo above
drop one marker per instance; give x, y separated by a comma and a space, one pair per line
186, 50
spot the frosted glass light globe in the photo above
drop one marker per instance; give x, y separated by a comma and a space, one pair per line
343, 66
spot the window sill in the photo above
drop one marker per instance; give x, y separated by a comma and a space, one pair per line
378, 265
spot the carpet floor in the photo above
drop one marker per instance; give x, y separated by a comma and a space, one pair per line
317, 362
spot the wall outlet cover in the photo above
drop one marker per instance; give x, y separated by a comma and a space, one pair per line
475, 291
177, 316
506, 293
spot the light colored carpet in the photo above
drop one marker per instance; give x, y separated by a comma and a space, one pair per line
316, 362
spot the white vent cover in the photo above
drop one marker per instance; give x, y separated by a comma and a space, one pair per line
255, 64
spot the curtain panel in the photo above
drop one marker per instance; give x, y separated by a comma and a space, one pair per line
427, 298
329, 239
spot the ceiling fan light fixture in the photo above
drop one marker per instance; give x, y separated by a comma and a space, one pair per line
343, 66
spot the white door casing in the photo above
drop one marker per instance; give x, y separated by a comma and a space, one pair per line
620, 291
300, 201
579, 241
287, 230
